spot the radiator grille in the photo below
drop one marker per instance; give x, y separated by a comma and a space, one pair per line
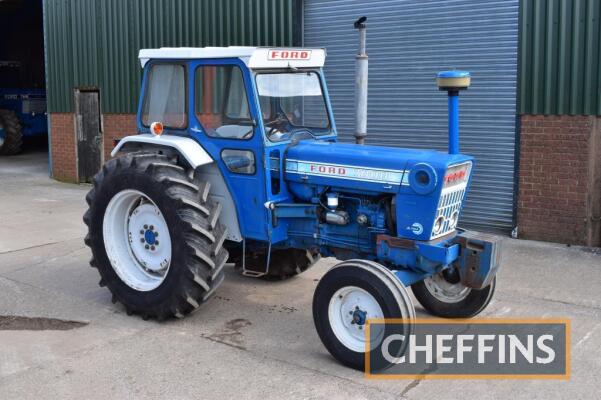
451, 199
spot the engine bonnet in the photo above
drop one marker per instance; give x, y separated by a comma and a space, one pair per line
370, 168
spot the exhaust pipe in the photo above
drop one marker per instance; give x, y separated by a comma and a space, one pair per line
453, 82
361, 84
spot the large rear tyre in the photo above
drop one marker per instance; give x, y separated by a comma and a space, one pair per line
155, 236
346, 297
446, 297
11, 135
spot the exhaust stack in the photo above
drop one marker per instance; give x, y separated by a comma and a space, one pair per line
453, 82
361, 84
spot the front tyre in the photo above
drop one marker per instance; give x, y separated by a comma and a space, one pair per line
446, 297
346, 297
154, 235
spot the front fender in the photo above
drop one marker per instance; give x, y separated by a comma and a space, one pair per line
193, 152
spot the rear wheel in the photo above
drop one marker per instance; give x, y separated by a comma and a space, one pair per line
443, 295
154, 235
11, 135
346, 297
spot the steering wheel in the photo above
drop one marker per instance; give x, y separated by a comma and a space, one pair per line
279, 122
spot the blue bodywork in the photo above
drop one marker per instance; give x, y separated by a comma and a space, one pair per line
388, 198
30, 107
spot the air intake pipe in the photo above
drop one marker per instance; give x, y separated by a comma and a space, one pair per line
453, 82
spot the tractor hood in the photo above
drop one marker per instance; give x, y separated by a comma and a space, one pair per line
360, 167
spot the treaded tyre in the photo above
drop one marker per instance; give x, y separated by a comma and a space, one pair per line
349, 294
451, 299
12, 142
284, 264
155, 236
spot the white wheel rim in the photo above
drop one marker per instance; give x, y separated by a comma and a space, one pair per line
445, 291
343, 317
137, 240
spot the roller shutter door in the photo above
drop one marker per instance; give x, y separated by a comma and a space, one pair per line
407, 43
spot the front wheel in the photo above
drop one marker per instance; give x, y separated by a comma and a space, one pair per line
346, 297
444, 296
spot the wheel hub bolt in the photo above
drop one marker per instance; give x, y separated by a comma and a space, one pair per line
147, 247
145, 226
142, 240
152, 248
141, 231
151, 228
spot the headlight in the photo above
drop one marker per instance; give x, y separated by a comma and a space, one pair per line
438, 224
453, 220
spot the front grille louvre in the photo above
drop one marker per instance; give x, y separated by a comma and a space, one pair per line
449, 203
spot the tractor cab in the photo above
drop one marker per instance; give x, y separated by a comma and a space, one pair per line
244, 106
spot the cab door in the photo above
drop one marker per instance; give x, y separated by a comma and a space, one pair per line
223, 118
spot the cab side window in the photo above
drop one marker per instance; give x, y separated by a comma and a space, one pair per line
221, 103
165, 96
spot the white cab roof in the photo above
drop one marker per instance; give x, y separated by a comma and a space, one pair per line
254, 57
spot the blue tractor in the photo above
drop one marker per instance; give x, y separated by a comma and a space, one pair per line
237, 163
22, 114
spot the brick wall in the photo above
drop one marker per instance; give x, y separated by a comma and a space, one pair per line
116, 126
64, 147
557, 168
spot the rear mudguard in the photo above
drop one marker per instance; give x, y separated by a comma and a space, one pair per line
193, 152
201, 162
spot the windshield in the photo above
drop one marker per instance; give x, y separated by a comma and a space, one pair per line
292, 102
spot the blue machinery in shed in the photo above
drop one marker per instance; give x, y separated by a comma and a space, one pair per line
22, 115
269, 182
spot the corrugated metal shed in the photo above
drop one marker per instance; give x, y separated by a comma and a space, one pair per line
95, 42
560, 50
408, 42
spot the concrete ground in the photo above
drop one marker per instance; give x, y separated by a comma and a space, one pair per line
253, 340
